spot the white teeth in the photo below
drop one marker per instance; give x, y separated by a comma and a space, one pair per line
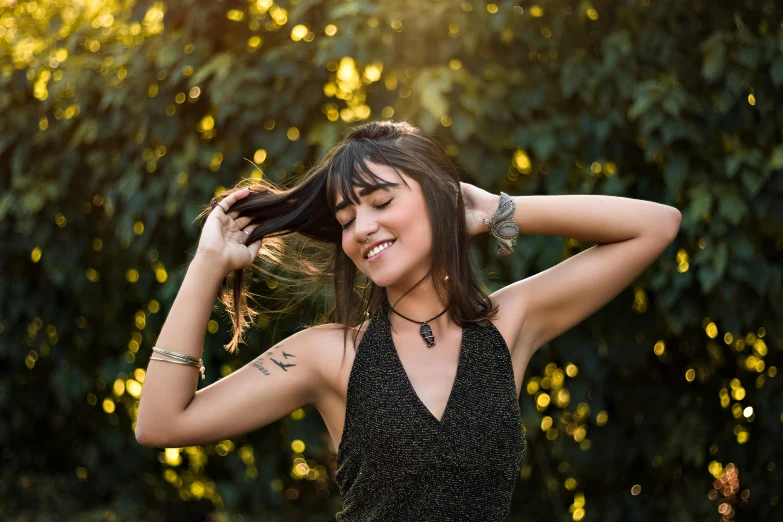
378, 249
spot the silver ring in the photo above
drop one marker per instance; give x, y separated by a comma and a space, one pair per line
246, 232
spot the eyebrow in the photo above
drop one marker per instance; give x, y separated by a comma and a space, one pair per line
363, 192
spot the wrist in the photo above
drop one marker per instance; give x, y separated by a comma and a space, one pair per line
209, 268
488, 210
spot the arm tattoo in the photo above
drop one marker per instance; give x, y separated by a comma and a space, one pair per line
259, 363
260, 366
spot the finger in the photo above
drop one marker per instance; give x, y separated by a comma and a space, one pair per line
232, 198
242, 222
240, 194
255, 247
239, 237
249, 229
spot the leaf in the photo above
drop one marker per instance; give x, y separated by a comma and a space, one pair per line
32, 202
433, 100
752, 181
674, 173
619, 42
733, 163
470, 41
652, 122
348, 9
462, 126
640, 105
714, 60
732, 208
219, 65
776, 71
603, 129
720, 259
743, 248
471, 156
300, 8
167, 55
432, 84
543, 144
707, 278
5, 204
675, 130
671, 105
749, 57
701, 203
776, 159
86, 132
572, 75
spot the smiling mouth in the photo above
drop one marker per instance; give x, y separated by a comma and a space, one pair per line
370, 258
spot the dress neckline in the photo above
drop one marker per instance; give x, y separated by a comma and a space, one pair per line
409, 385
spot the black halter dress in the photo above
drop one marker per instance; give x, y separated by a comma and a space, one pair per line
397, 461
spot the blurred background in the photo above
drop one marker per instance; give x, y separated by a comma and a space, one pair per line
121, 119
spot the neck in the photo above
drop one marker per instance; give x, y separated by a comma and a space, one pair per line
420, 304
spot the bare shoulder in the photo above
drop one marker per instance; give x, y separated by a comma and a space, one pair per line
334, 355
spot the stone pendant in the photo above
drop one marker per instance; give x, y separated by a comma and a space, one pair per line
426, 332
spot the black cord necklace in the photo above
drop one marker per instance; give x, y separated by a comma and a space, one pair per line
425, 329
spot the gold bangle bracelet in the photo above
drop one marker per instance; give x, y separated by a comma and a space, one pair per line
200, 368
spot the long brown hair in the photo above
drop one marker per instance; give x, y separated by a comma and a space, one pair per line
311, 262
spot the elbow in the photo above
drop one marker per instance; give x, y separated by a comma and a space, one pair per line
149, 438
145, 440
676, 221
669, 227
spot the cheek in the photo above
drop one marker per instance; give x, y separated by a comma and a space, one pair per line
350, 247
418, 226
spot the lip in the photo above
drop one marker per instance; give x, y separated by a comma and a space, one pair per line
380, 254
375, 244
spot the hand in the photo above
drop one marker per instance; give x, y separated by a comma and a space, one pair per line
222, 237
479, 204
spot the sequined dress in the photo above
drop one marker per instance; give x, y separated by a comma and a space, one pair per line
398, 462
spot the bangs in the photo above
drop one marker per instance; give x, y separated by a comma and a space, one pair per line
350, 170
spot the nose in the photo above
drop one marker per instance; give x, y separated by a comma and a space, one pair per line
364, 228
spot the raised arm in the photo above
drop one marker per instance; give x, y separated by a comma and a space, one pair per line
630, 233
171, 412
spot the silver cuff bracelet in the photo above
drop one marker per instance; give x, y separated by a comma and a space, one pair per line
503, 226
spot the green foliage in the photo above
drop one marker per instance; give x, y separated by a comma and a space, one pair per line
120, 121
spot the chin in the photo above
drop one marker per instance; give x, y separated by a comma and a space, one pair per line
381, 280
383, 277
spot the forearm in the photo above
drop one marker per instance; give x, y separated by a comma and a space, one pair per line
591, 218
169, 388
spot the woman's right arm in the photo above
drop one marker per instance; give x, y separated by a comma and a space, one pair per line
172, 414
286, 377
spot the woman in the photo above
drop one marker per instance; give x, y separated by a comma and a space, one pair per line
423, 407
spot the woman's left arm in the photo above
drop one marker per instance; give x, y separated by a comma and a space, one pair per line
630, 234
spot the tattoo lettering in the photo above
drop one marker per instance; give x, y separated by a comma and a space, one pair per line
260, 366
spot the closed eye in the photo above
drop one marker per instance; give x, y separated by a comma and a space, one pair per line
379, 207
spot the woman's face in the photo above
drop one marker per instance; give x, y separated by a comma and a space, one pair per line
397, 214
